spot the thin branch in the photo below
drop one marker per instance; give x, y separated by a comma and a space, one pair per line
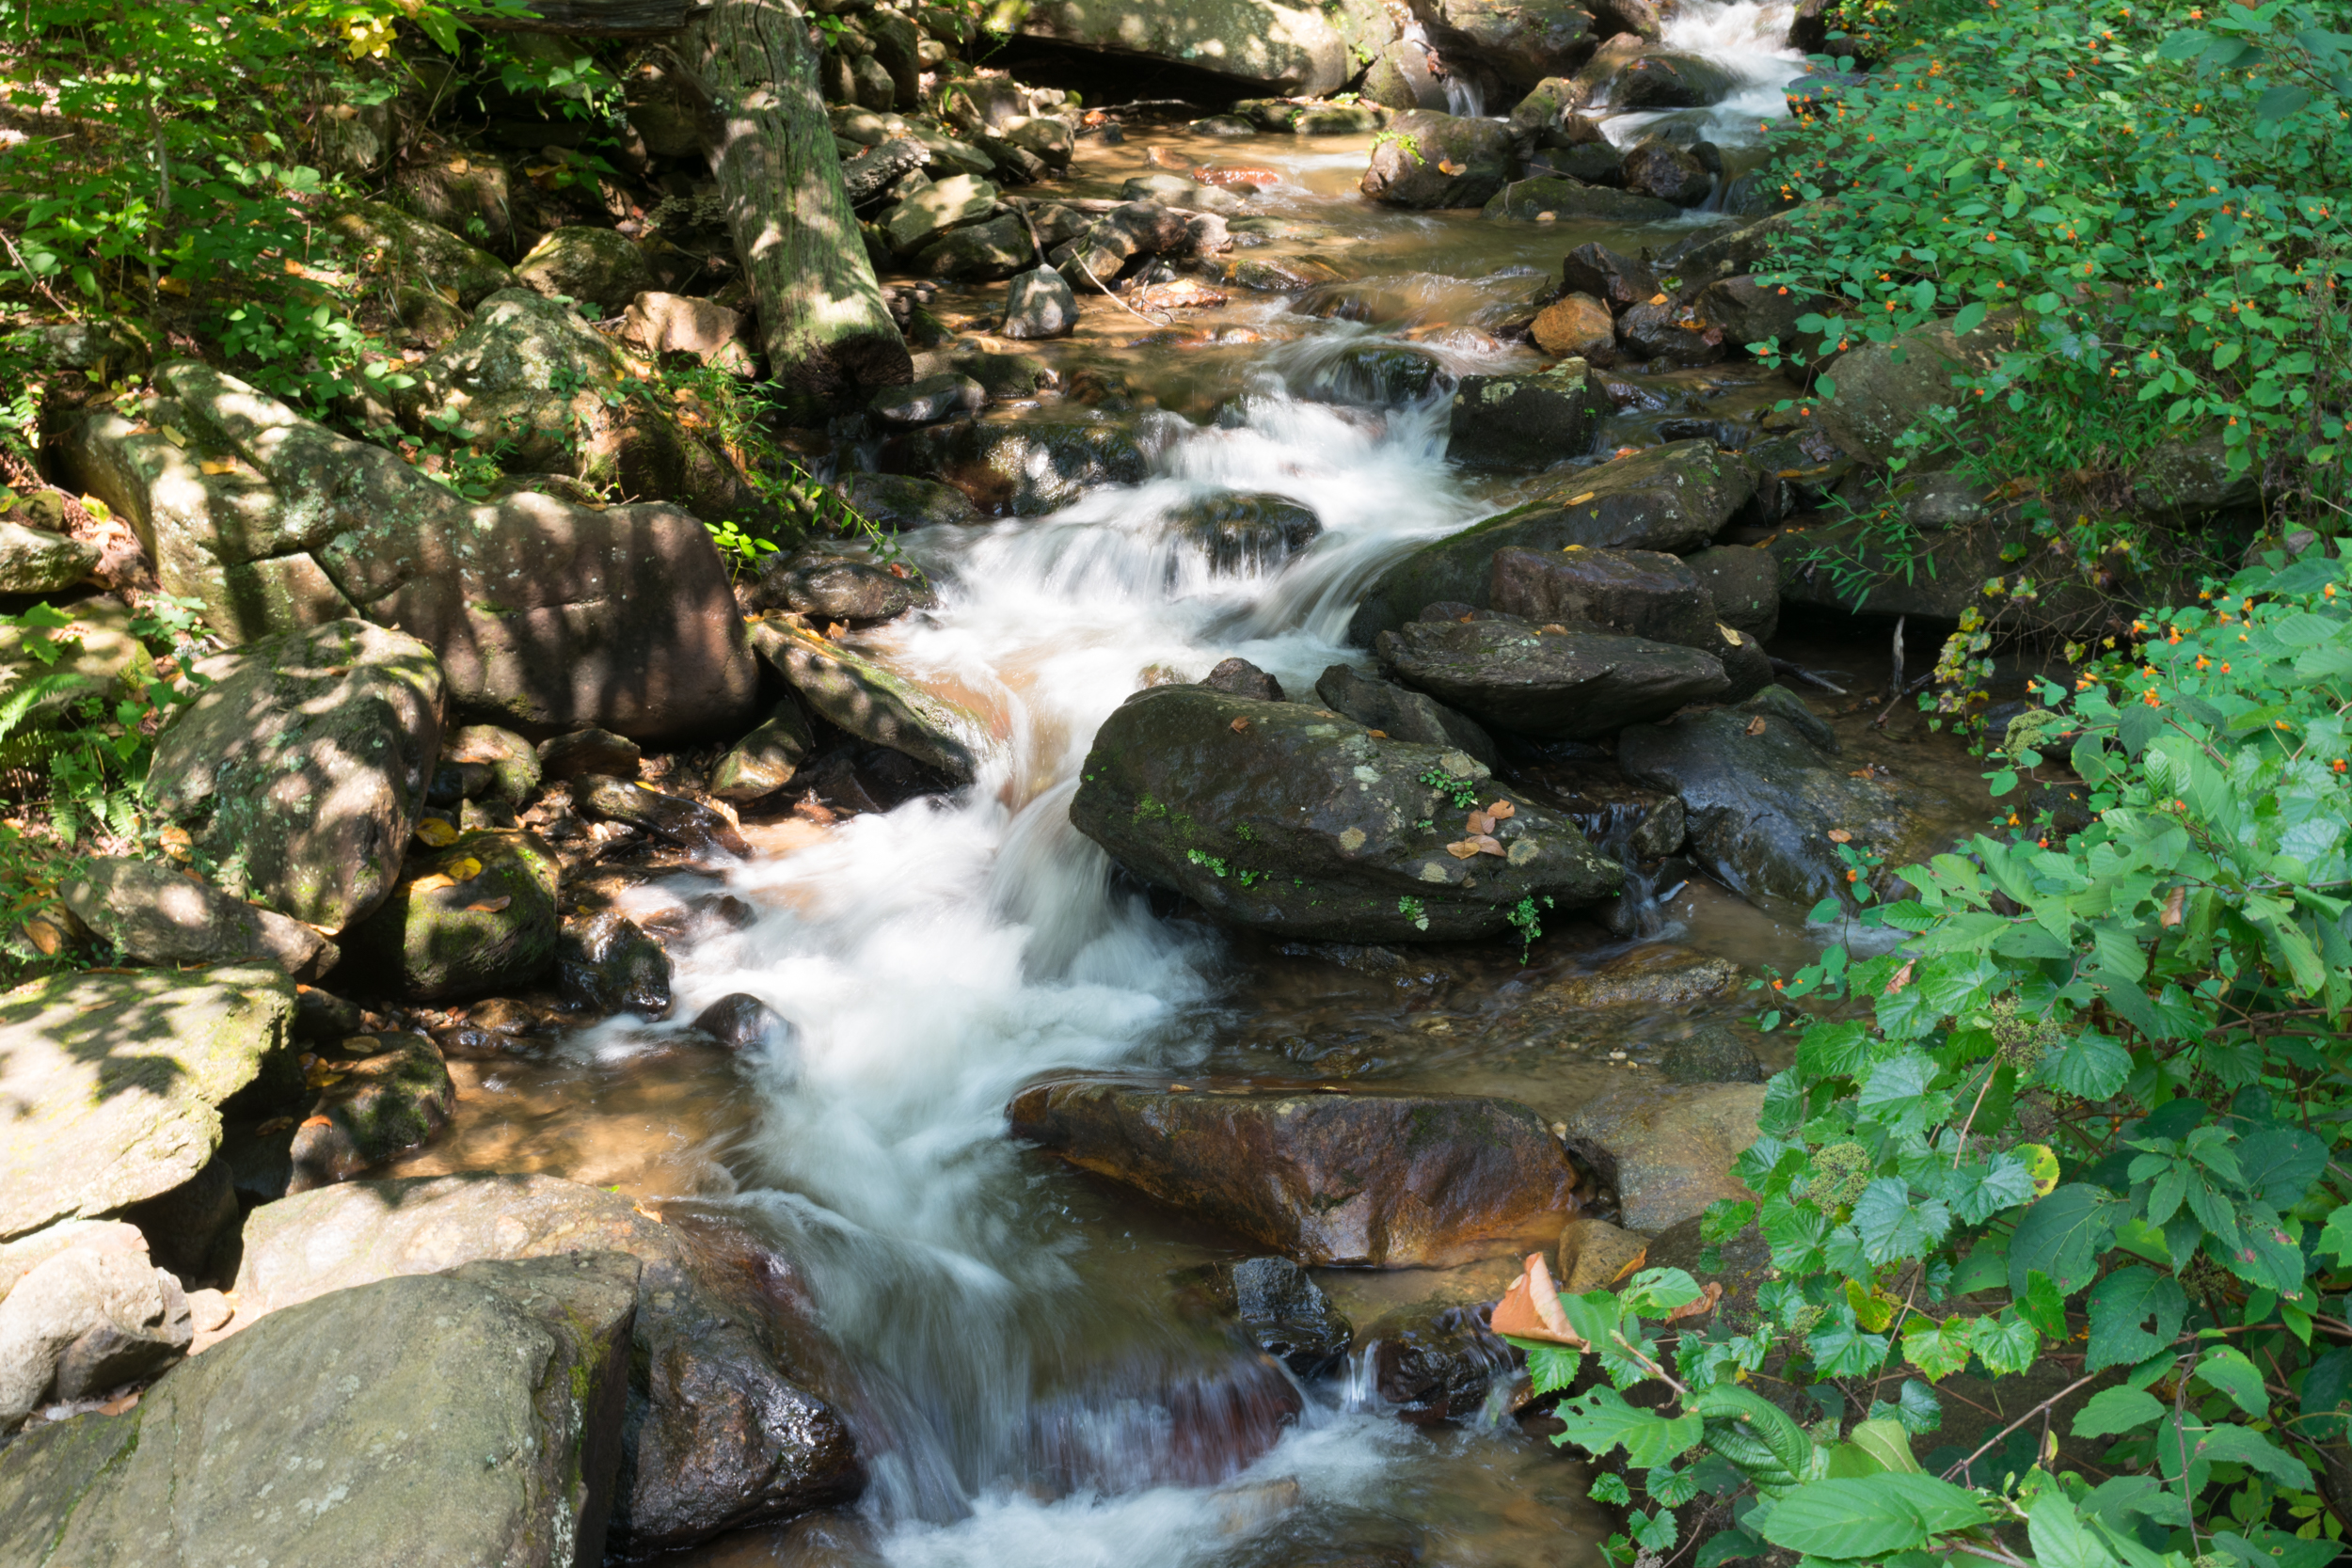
2021, 1421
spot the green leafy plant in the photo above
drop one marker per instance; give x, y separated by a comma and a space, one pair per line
741, 552
1463, 793
2090, 1112
1415, 910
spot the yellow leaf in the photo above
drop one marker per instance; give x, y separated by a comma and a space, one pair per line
218, 466
433, 883
435, 832
2041, 1165
1872, 1309
173, 286
464, 869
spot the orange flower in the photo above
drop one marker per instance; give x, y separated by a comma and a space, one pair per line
2150, 698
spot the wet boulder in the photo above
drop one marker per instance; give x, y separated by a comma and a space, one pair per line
1593, 1254
1288, 1315
1745, 584
1750, 311
1764, 790
1673, 498
835, 588
741, 1021
899, 504
369, 1108
765, 760
545, 615
154, 914
1260, 44
1669, 334
1400, 78
1524, 421
1374, 1178
1554, 197
1024, 467
689, 825
605, 964
873, 702
1576, 326
979, 253
1246, 532
1433, 1364
1373, 373
475, 916
596, 265
929, 399
1668, 1146
1553, 684
565, 757
1654, 78
1519, 41
1616, 280
719, 1430
1433, 160
1238, 677
1400, 714
1885, 390
1657, 169
114, 1082
1655, 976
1118, 236
1591, 163
1280, 817
1631, 592
501, 1389
1039, 304
1711, 1053
34, 561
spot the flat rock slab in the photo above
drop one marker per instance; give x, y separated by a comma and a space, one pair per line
872, 702
110, 1084
155, 913
1674, 498
1288, 818
1554, 684
302, 768
467, 1417
1385, 1180
718, 1433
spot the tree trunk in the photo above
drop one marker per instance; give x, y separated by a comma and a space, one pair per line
595, 19
821, 316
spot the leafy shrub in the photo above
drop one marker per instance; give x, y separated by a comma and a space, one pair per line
2094, 1106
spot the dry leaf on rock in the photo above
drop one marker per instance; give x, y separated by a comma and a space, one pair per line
1530, 1309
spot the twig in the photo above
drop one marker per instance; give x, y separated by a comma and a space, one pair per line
1888, 711
1783, 666
38, 281
1955, 1469
1080, 259
1037, 246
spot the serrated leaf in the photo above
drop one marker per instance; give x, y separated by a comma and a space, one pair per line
1551, 1368
2004, 1344
2090, 1067
2111, 1412
2278, 1165
1870, 1517
2227, 1369
1601, 1420
2120, 1305
2061, 1236
1938, 1350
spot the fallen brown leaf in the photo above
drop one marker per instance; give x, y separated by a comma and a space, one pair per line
433, 883
1487, 843
1903, 978
1839, 835
1480, 823
2174, 904
435, 832
490, 906
1530, 1309
1238, 725
1699, 1308
1462, 849
1502, 811
1755, 725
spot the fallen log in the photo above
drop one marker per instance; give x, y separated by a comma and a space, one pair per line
590, 19
828, 334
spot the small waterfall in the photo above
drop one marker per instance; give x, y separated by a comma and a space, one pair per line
1464, 96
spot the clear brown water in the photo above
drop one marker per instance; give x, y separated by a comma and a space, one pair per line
1028, 1390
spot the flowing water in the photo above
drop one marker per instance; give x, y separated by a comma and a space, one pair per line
1028, 1387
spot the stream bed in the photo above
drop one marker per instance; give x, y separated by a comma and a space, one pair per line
1008, 1335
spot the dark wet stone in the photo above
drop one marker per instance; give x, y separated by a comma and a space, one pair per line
1387, 1179
926, 401
744, 1022
1615, 279
606, 964
835, 588
896, 503
1409, 163
767, 759
1631, 592
1671, 333
475, 916
1247, 532
1375, 372
1445, 1365
1655, 78
375, 1107
1529, 200
1238, 677
1284, 1310
1025, 467
1279, 817
1710, 1054
1673, 498
1745, 585
872, 702
689, 824
1039, 305
1561, 685
1668, 173
1524, 421
1401, 714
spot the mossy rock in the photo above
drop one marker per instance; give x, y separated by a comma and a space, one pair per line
478, 915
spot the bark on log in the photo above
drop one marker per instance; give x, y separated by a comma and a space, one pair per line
821, 316
592, 18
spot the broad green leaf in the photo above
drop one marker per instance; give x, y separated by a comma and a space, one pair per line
1885, 1440
2278, 1165
1893, 1225
2090, 1067
1938, 1350
1551, 1368
1601, 1420
1968, 319
2228, 1370
2120, 1305
2245, 1446
2060, 1236
2004, 1344
1655, 1293
2336, 1240
2059, 1537
1870, 1517
2113, 1411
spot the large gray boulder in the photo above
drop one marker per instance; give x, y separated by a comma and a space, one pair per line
1281, 818
1884, 389
720, 1430
596, 265
1556, 684
87, 1320
34, 561
1401, 714
111, 1084
1433, 160
475, 916
1302, 50
1764, 788
1524, 421
873, 702
1673, 498
300, 771
1630, 592
546, 616
466, 1417
153, 913
1519, 41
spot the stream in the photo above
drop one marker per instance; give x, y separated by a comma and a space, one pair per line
1028, 1387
